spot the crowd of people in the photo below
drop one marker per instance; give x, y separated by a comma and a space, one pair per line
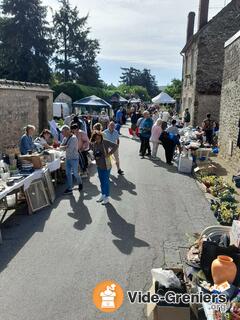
77, 137
101, 135
154, 127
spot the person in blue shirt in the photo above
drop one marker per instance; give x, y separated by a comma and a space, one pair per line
119, 116
111, 134
26, 142
119, 119
145, 133
169, 142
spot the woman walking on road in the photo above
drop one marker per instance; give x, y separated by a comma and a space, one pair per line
102, 150
83, 147
156, 132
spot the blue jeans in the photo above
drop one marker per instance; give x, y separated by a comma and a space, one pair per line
104, 175
72, 169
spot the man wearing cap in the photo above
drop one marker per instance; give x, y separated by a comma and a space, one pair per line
70, 144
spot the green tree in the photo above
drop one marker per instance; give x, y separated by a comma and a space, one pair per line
76, 53
25, 41
130, 76
149, 82
133, 91
134, 77
174, 89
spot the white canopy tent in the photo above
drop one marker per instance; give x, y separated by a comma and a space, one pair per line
134, 100
163, 98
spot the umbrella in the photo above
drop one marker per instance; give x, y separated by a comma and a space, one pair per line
92, 101
163, 98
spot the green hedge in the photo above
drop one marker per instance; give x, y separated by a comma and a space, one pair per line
79, 91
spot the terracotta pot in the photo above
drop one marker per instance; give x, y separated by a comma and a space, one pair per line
207, 184
223, 269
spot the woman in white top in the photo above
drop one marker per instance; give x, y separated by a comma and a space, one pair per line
156, 132
44, 138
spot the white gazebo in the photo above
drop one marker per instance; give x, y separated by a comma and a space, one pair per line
163, 98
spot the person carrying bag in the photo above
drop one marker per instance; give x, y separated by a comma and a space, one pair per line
102, 150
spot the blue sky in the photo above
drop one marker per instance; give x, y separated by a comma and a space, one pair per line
140, 33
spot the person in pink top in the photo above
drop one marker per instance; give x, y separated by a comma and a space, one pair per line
156, 132
83, 147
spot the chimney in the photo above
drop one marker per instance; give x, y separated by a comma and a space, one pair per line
190, 26
203, 13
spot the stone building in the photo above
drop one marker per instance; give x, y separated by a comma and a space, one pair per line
203, 59
22, 103
230, 104
63, 97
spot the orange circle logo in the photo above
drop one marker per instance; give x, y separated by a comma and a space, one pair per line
108, 296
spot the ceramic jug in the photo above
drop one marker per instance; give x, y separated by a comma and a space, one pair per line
223, 269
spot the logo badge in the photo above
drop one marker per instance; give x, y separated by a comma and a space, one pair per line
108, 296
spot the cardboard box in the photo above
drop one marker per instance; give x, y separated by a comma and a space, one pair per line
203, 153
235, 234
185, 164
35, 159
172, 312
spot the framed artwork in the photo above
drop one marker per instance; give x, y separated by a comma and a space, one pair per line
36, 195
49, 185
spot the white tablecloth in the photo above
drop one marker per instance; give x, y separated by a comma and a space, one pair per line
37, 174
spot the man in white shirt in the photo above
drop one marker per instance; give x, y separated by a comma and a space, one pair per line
112, 135
165, 116
155, 116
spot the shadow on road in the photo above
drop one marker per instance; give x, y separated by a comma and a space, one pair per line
90, 190
92, 169
130, 138
124, 231
120, 184
19, 228
162, 164
80, 212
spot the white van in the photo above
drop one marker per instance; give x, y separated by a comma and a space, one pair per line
60, 110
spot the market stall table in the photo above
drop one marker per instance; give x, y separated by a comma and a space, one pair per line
24, 185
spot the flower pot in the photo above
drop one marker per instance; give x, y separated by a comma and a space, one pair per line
223, 269
207, 184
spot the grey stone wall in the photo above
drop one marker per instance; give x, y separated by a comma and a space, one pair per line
62, 97
208, 65
18, 107
189, 80
230, 105
206, 104
211, 49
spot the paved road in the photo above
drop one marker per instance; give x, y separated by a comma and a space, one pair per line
51, 261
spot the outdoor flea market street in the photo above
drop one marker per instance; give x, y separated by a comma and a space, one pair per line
51, 261
119, 160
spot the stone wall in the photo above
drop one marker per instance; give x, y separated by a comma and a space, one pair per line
206, 104
211, 42
189, 80
230, 105
19, 106
62, 97
208, 65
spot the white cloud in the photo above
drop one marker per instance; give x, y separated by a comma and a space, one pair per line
150, 32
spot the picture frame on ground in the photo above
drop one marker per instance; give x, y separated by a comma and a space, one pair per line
49, 186
36, 195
